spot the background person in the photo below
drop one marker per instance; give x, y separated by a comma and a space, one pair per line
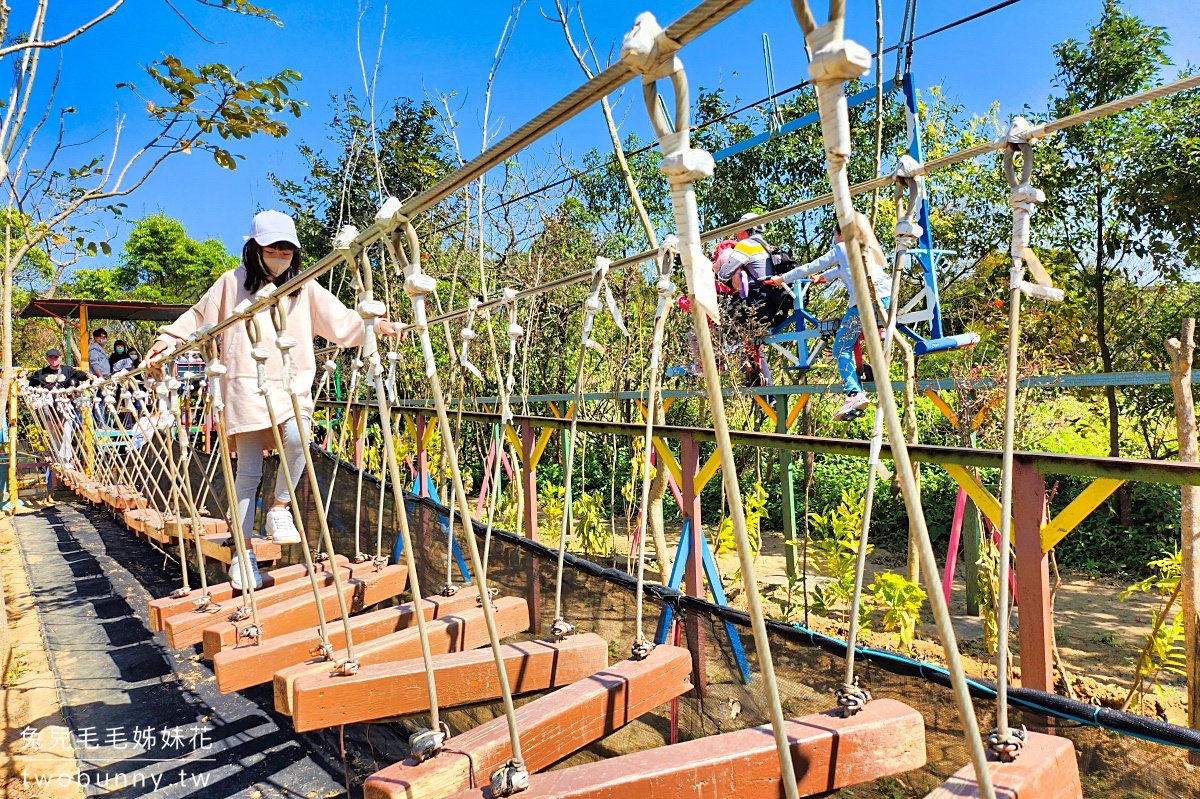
832, 266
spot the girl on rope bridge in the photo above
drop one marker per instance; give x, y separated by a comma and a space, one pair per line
834, 265
271, 255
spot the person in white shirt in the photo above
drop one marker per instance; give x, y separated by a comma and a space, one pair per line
831, 266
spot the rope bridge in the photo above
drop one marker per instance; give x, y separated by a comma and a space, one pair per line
128, 442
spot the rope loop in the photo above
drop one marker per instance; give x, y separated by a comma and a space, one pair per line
909, 195
1024, 199
1007, 749
561, 628
467, 334
648, 51
852, 698
509, 779
425, 744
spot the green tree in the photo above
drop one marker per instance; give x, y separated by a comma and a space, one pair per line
161, 263
342, 186
1117, 188
68, 197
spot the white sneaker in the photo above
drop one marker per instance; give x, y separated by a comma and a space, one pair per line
280, 527
854, 406
235, 571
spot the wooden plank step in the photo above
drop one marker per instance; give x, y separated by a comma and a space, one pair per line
828, 752
365, 589
462, 631
246, 664
218, 546
463, 678
551, 727
1045, 769
187, 629
165, 607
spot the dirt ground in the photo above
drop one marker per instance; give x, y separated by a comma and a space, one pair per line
28, 696
1099, 635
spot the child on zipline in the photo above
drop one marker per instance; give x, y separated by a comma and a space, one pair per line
831, 266
271, 255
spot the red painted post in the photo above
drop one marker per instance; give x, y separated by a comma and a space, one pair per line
529, 488
693, 575
1033, 577
422, 457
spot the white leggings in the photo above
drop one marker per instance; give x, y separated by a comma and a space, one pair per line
250, 448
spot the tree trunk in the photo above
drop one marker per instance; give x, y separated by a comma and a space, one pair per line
1181, 351
1106, 359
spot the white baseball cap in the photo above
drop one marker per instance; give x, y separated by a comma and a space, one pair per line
272, 227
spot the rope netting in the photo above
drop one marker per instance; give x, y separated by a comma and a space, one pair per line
132, 435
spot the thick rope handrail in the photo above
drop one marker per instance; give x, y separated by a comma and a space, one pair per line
932, 165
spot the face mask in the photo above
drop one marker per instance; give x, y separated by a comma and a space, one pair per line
120, 350
277, 265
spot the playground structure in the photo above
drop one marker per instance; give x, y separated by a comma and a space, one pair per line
443, 648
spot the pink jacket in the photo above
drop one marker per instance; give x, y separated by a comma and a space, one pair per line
312, 311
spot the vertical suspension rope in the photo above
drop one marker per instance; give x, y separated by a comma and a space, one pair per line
285, 343
213, 370
851, 697
1023, 198
665, 287
647, 50
260, 354
512, 777
422, 744
834, 61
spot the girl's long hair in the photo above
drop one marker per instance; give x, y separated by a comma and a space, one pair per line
257, 275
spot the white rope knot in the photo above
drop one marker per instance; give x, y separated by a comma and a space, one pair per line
347, 668
260, 354
509, 779
1024, 199
389, 212
372, 309
242, 309
345, 237
834, 61
647, 49
285, 343
330, 366
419, 284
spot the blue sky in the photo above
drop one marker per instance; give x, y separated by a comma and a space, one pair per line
447, 46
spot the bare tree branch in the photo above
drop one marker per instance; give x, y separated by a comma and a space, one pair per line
35, 43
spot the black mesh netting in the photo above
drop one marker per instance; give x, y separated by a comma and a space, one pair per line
1115, 760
